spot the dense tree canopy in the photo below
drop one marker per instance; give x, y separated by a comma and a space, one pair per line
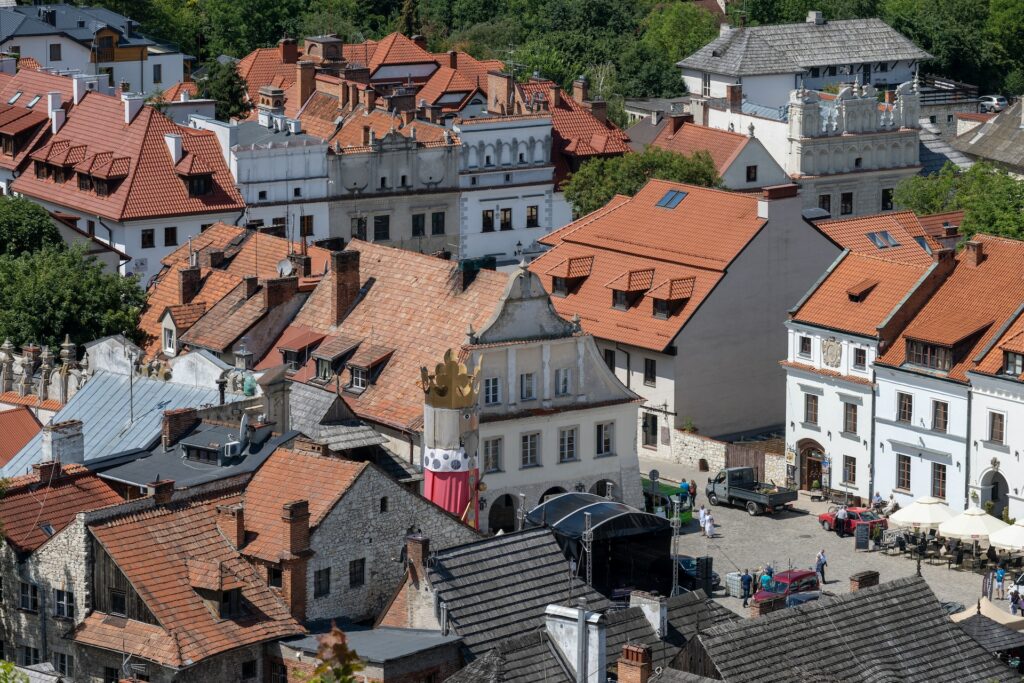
223, 84
25, 226
600, 179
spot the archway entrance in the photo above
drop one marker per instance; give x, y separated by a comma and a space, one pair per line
604, 487
995, 489
551, 493
811, 457
502, 515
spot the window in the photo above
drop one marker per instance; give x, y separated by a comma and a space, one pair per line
527, 388
473, 180
849, 469
492, 454
846, 203
650, 372
492, 391
118, 602
405, 181
530, 449
64, 604
671, 199
929, 355
55, 52
938, 480
261, 195
620, 300
940, 416
437, 223
14, 49
508, 177
650, 429
323, 370
200, 185
90, 227
850, 419
506, 219
996, 427
931, 119
382, 504
111, 674
381, 228
158, 73
605, 438
148, 238
33, 102
14, 97
278, 672
28, 656
64, 663
662, 309
609, 359
274, 577
306, 226
752, 174
559, 286
1014, 364
811, 409
321, 582
705, 85
860, 358
29, 596
230, 603
563, 381
883, 67
419, 224
383, 183
356, 573
170, 237
830, 71
815, 72
887, 199
249, 670
825, 202
567, 444
903, 472
358, 379
532, 217
904, 407
805, 347
358, 224
488, 220
169, 340
487, 160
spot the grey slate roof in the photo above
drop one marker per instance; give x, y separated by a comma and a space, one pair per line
643, 132
793, 48
377, 645
312, 411
499, 587
990, 634
1000, 139
103, 406
78, 23
527, 658
676, 676
935, 151
894, 632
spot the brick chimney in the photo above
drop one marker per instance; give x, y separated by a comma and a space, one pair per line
289, 50
864, 579
302, 263
177, 423
499, 91
734, 97
63, 442
296, 520
279, 290
944, 254
231, 523
162, 490
251, 284
635, 664
580, 90
599, 108
345, 268
305, 77
974, 253
294, 569
189, 284
453, 59
677, 121
554, 95
212, 258
760, 608
47, 471
417, 550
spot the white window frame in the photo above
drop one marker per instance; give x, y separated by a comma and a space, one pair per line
527, 380
563, 381
492, 391
533, 438
359, 378
63, 604
169, 344
492, 448
64, 663
568, 444
604, 433
1013, 364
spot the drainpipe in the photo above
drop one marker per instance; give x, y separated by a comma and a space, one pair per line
967, 462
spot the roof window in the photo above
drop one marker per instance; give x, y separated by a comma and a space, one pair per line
882, 239
47, 529
671, 199
923, 243
33, 101
14, 97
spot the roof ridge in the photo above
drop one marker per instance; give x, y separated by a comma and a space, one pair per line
176, 506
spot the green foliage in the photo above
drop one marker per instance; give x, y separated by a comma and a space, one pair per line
992, 200
338, 664
600, 179
56, 291
8, 674
678, 29
224, 85
25, 226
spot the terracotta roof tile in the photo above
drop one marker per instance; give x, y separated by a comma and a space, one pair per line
29, 64
723, 146
319, 115
857, 234
117, 634
18, 426
263, 66
186, 315
13, 398
381, 123
579, 266
396, 48
30, 84
446, 81
934, 224
229, 318
674, 289
173, 93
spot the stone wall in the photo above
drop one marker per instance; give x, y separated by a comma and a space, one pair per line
689, 449
775, 468
91, 664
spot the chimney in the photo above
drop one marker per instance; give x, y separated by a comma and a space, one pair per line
173, 141
64, 442
944, 254
417, 549
453, 59
408, 116
580, 637
296, 518
231, 523
176, 424
499, 91
734, 97
305, 77
57, 117
353, 96
52, 102
345, 268
279, 290
599, 108
289, 50
554, 95
974, 253
301, 263
47, 471
421, 41
655, 609
162, 490
185, 96
635, 664
677, 121
213, 258
864, 579
815, 17
343, 96
132, 106
366, 135
79, 86
580, 90
251, 284
189, 284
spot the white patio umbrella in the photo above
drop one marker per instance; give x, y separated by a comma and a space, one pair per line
1009, 538
923, 514
972, 525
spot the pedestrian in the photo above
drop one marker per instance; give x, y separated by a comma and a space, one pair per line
702, 517
709, 526
1000, 577
1014, 600
684, 492
769, 570
841, 517
746, 581
766, 579
693, 493
820, 564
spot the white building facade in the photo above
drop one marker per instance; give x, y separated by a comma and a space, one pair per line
997, 437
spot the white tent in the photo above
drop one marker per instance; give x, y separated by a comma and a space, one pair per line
1009, 538
923, 514
972, 525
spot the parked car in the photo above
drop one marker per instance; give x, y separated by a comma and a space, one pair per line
688, 574
855, 518
789, 582
739, 486
995, 103
797, 599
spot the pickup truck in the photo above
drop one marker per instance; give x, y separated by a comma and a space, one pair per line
737, 486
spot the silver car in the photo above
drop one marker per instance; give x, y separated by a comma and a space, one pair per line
994, 103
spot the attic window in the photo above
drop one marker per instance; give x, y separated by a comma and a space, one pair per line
324, 371
671, 199
930, 356
359, 379
559, 286
860, 291
199, 185
623, 300
1014, 364
882, 239
14, 97
230, 603
47, 529
923, 243
33, 101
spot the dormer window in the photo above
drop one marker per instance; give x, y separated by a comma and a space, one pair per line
662, 309
9, 146
199, 185
621, 300
365, 367
84, 182
1014, 364
324, 371
559, 286
230, 603
670, 296
359, 379
930, 356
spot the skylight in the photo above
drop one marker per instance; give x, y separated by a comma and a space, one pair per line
671, 199
14, 98
33, 101
47, 529
923, 243
882, 239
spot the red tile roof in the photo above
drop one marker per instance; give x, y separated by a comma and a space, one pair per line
13, 398
1011, 341
137, 638
902, 226
350, 136
723, 146
686, 250
396, 48
446, 81
285, 477
934, 224
28, 504
263, 66
970, 306
318, 115
18, 426
154, 548
137, 152
173, 93
28, 64
30, 84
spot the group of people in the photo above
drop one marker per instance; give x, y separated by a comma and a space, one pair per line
763, 580
707, 522
884, 507
688, 490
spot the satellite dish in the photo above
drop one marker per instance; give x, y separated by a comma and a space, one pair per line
284, 268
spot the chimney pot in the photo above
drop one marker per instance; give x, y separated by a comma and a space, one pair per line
345, 273
975, 253
162, 491
635, 663
231, 523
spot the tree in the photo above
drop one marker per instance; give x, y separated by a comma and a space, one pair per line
338, 664
25, 226
600, 179
227, 87
407, 20
679, 29
8, 674
56, 291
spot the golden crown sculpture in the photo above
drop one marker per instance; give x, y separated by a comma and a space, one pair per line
452, 385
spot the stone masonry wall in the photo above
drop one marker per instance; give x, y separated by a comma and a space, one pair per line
92, 663
775, 468
690, 449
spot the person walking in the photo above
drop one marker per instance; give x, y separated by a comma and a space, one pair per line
766, 579
1000, 578
709, 525
746, 581
684, 492
841, 517
702, 517
1014, 600
693, 493
820, 564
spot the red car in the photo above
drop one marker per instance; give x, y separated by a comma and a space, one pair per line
854, 518
789, 582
